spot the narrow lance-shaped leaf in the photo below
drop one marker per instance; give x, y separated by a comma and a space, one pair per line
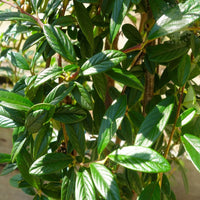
104, 182
59, 42
154, 123
118, 14
191, 144
84, 188
175, 19
84, 22
102, 62
50, 163
110, 122
141, 159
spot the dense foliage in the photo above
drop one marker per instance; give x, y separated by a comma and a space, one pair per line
90, 120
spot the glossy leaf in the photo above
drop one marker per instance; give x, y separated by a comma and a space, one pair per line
119, 12
51, 7
110, 122
104, 182
66, 20
10, 167
186, 117
102, 62
84, 22
141, 159
125, 77
4, 157
82, 96
150, 192
154, 123
50, 163
191, 144
58, 93
76, 137
166, 52
84, 188
36, 4
33, 39
70, 114
59, 42
15, 101
47, 74
19, 61
175, 19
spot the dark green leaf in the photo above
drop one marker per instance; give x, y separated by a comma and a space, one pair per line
102, 62
64, 21
154, 123
77, 137
16, 16
104, 182
33, 39
88, 1
110, 122
192, 146
38, 115
24, 162
59, 42
84, 188
175, 19
140, 158
47, 74
36, 4
69, 114
4, 157
50, 163
84, 22
52, 7
165, 185
166, 52
82, 96
15, 101
19, 61
125, 77
52, 190
150, 192
118, 14
42, 141
58, 93
186, 117
10, 167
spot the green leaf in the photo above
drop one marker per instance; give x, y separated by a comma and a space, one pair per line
191, 144
47, 74
118, 14
14, 101
76, 137
175, 19
84, 22
154, 123
111, 122
87, 1
19, 61
126, 78
52, 190
150, 192
42, 141
69, 114
84, 188
58, 93
38, 115
82, 96
15, 16
51, 7
59, 42
24, 162
164, 53
141, 159
31, 40
10, 167
4, 157
186, 117
104, 182
36, 4
64, 21
50, 163
8, 118
102, 62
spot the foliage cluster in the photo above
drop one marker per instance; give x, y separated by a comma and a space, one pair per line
91, 121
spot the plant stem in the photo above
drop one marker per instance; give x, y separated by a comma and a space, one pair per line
65, 134
24, 12
181, 91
